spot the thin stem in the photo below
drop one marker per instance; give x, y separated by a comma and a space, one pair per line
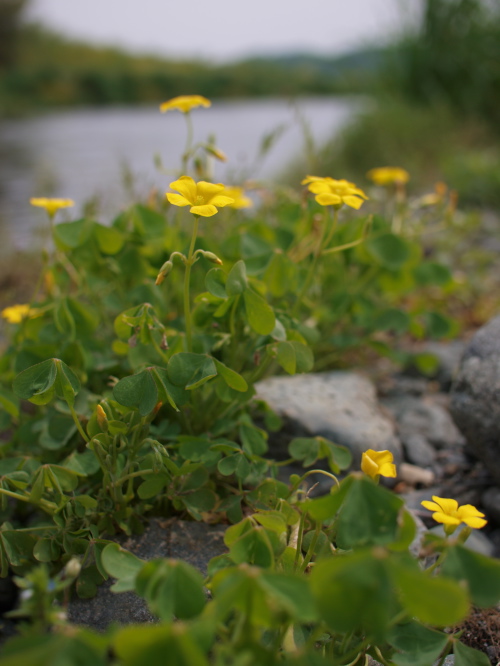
189, 142
133, 475
312, 267
187, 277
50, 506
77, 423
312, 546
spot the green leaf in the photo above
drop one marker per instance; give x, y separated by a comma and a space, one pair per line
354, 592
280, 274
305, 449
481, 574
369, 515
437, 601
139, 391
291, 593
236, 282
431, 273
235, 464
232, 378
389, 250
67, 384
172, 588
70, 235
260, 314
121, 564
36, 382
466, 656
9, 402
303, 356
109, 239
285, 355
146, 644
420, 645
215, 282
253, 547
438, 326
190, 370
153, 486
84, 464
253, 440
392, 319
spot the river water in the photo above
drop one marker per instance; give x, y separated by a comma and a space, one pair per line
84, 154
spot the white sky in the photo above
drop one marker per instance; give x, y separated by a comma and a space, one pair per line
227, 29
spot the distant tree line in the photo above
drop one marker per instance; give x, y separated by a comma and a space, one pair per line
10, 27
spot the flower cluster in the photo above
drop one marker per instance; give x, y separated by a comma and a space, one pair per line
14, 314
388, 176
331, 192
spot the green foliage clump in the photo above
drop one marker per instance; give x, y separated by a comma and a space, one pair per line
128, 389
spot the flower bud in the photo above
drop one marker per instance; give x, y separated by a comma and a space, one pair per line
212, 257
102, 419
164, 271
73, 568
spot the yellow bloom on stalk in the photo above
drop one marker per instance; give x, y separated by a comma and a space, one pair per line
331, 192
238, 194
185, 103
378, 463
51, 205
14, 314
203, 197
448, 512
388, 175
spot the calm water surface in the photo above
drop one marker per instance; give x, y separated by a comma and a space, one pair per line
83, 154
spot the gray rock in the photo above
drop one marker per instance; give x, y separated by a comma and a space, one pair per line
475, 396
195, 543
491, 503
341, 406
424, 417
448, 355
418, 450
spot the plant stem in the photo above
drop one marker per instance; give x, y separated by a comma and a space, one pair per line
312, 546
77, 423
189, 141
187, 277
49, 506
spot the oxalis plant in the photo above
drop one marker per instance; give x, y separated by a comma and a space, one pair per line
139, 352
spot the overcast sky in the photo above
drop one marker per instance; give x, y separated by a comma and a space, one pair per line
227, 29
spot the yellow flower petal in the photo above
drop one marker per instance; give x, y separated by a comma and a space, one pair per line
368, 465
353, 202
388, 469
186, 186
177, 199
432, 506
221, 200
446, 519
319, 187
51, 205
14, 314
209, 190
446, 505
388, 175
185, 103
328, 199
310, 179
206, 210
474, 522
238, 196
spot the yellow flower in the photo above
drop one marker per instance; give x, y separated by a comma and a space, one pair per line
52, 205
16, 313
378, 463
185, 103
203, 197
448, 512
388, 175
331, 192
240, 200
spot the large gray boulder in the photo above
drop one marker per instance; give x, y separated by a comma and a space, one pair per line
475, 396
341, 406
